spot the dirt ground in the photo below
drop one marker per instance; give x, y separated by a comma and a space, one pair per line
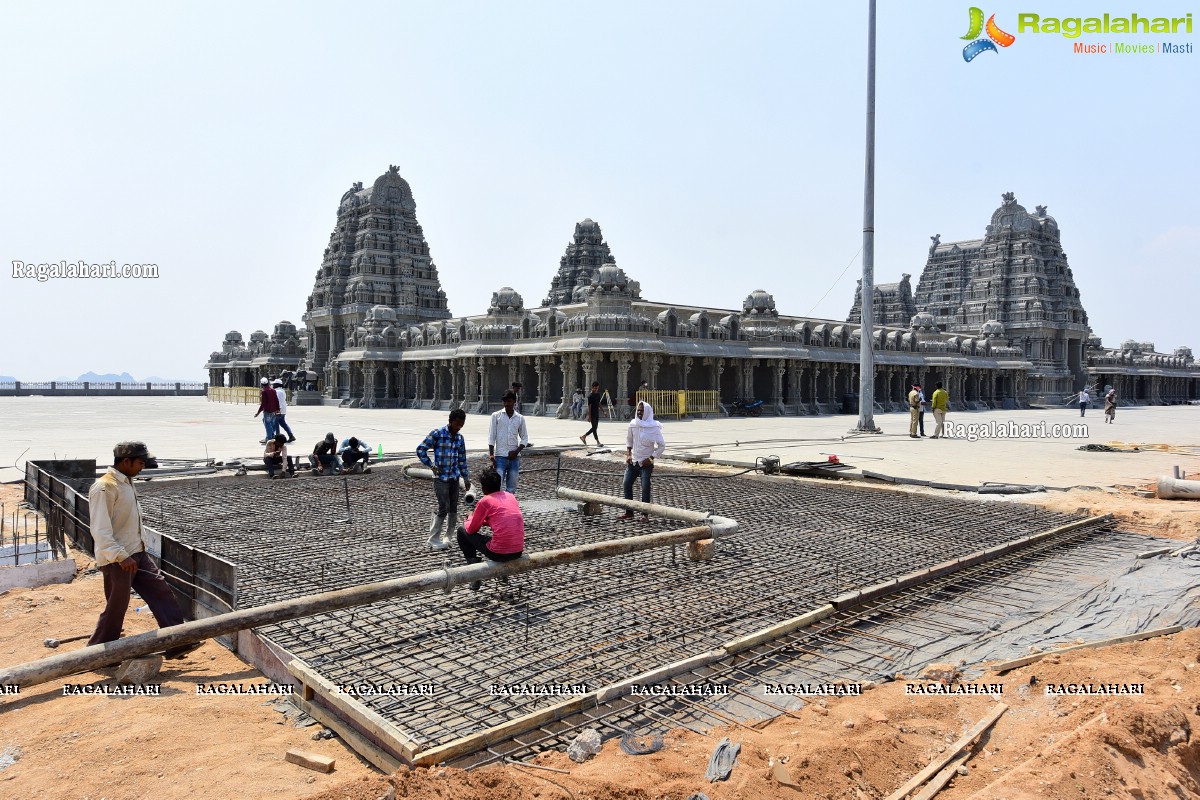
184, 745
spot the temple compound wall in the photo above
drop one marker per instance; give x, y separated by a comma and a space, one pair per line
998, 321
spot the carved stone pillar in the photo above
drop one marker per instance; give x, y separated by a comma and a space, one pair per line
748, 380
816, 399
438, 367
370, 373
780, 366
652, 364
717, 366
685, 367
539, 368
421, 370
588, 365
624, 362
794, 366
568, 364
481, 369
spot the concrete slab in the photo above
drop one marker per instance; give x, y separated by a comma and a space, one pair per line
184, 427
31, 575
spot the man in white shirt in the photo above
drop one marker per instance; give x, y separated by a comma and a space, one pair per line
643, 441
1084, 399
507, 437
280, 422
120, 549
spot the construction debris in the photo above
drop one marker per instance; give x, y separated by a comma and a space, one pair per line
586, 745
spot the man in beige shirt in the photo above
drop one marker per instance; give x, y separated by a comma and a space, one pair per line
120, 548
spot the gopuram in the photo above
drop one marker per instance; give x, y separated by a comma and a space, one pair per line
998, 320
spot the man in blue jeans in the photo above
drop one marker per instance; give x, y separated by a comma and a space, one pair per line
507, 437
643, 441
448, 464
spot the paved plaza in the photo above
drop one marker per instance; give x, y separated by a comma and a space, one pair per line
194, 428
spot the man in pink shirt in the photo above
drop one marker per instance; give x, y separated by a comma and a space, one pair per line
499, 511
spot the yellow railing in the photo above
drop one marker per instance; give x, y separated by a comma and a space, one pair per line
680, 403
233, 394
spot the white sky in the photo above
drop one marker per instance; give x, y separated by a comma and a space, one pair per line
719, 146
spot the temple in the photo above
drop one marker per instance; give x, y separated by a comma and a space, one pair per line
999, 320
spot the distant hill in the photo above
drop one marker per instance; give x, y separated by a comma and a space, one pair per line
124, 377
7, 379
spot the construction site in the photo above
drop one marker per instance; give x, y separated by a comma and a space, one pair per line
758, 596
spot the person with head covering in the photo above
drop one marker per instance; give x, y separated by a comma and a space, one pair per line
1110, 404
324, 455
119, 542
643, 441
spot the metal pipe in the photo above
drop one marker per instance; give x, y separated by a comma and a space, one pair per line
101, 655
721, 526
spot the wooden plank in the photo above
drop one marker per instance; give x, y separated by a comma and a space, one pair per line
950, 754
379, 758
313, 761
369, 720
514, 727
477, 741
775, 631
1005, 666
942, 778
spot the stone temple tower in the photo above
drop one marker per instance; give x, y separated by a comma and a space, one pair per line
585, 255
377, 256
1017, 275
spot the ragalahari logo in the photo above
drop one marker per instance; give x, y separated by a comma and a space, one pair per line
994, 35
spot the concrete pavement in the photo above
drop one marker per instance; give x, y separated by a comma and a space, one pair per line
184, 427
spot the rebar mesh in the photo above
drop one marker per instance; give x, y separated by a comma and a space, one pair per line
592, 623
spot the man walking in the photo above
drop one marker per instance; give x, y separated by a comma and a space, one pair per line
507, 437
593, 402
449, 463
914, 410
280, 422
268, 406
941, 404
1084, 398
120, 547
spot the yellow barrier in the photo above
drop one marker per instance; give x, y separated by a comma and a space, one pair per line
233, 394
680, 403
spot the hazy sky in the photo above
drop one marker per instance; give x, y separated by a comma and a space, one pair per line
719, 146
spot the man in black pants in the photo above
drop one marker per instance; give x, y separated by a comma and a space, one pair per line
593, 414
120, 547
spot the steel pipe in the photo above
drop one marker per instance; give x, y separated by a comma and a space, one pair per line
721, 526
102, 655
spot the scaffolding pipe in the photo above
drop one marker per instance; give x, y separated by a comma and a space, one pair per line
103, 655
722, 526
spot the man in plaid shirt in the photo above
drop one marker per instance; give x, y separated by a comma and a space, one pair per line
449, 464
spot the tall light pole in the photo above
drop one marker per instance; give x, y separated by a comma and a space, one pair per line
866, 353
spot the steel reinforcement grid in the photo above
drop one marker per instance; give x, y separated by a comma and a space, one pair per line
472, 660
